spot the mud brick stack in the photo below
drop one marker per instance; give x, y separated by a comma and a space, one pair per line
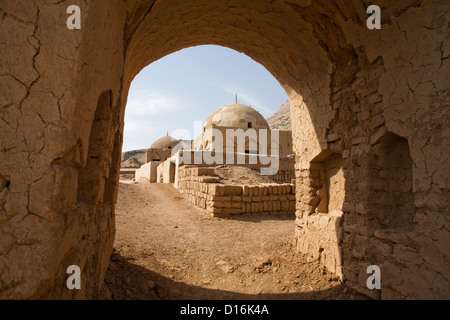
203, 189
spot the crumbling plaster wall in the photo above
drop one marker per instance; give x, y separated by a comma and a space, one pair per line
348, 87
402, 88
51, 81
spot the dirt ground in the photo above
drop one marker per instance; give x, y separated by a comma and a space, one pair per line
166, 248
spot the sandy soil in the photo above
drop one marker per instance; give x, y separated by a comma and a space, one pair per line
166, 248
235, 175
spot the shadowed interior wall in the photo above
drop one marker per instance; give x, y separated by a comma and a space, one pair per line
396, 175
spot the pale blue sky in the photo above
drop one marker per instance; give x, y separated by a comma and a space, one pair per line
187, 86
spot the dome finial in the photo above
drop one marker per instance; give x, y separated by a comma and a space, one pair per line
236, 98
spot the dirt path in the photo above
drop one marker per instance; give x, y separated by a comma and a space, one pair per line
166, 248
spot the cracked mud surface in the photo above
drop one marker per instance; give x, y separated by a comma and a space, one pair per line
166, 248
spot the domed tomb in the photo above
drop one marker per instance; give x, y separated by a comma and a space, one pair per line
237, 116
164, 143
161, 149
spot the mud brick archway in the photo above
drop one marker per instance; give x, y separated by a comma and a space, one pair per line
352, 90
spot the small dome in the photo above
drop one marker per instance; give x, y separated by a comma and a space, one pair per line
237, 115
166, 142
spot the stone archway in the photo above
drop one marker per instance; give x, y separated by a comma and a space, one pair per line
348, 85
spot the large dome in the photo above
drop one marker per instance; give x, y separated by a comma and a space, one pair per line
166, 142
237, 115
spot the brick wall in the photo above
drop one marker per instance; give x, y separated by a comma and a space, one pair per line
284, 176
201, 188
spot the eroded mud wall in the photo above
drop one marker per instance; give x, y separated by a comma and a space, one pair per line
356, 94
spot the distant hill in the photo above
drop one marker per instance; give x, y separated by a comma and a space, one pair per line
281, 119
131, 163
133, 158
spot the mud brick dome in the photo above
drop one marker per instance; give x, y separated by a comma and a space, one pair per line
237, 116
165, 143
241, 118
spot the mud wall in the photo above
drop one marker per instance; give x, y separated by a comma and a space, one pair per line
378, 98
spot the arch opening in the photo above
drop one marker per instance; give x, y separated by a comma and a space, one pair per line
397, 211
293, 71
221, 205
